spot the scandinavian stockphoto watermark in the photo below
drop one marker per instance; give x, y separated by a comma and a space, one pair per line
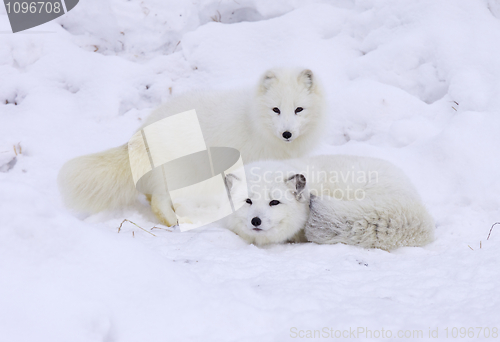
24, 14
341, 185
170, 158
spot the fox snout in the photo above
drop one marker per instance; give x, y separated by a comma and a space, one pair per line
287, 135
256, 222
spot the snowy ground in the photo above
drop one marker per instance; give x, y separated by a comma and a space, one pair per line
413, 82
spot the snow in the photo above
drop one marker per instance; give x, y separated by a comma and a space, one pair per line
413, 82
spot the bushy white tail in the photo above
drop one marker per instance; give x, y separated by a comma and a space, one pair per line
99, 181
386, 221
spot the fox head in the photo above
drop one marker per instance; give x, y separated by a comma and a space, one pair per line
289, 103
275, 208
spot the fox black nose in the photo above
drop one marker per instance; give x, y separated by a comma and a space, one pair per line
287, 135
256, 221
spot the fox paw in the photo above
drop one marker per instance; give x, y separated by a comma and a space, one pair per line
185, 219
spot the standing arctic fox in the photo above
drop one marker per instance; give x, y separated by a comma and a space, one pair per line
282, 118
359, 201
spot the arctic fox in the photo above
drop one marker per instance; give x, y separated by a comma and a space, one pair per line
353, 200
282, 118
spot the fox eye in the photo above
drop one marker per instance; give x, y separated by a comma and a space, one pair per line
276, 110
249, 201
274, 202
298, 110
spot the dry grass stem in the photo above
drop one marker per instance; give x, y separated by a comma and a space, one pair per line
494, 224
168, 230
217, 18
120, 227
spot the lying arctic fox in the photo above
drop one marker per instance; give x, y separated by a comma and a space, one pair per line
280, 119
359, 201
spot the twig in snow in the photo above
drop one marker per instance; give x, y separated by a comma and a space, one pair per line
120, 227
217, 18
470, 247
494, 224
168, 230
17, 148
175, 48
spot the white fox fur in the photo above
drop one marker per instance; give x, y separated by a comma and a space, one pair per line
359, 201
246, 119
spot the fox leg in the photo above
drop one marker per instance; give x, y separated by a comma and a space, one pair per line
163, 209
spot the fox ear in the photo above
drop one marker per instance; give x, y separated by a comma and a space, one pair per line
306, 76
297, 183
267, 80
230, 179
